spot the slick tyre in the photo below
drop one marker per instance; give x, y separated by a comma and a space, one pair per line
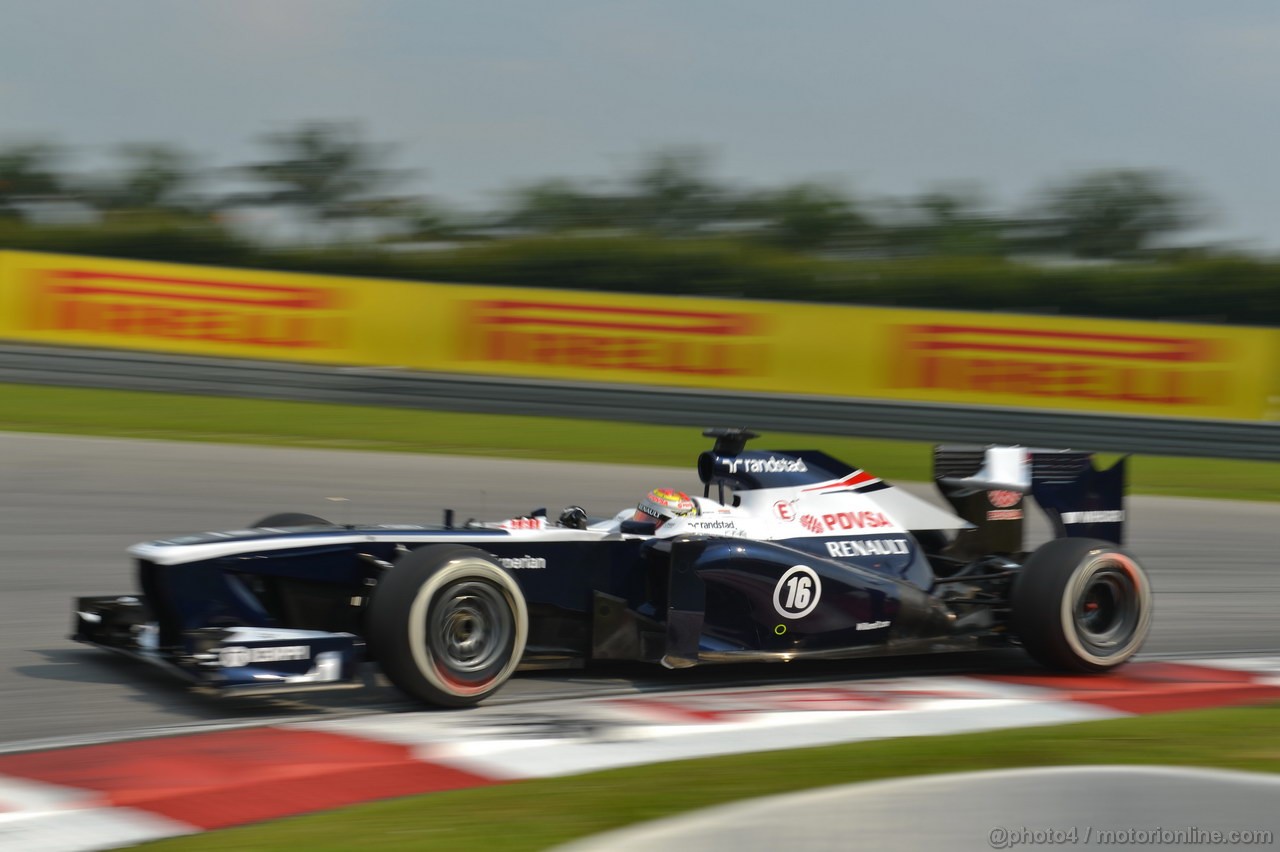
448, 625
1081, 605
291, 519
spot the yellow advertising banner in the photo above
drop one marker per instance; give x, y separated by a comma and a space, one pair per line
1160, 369
165, 307
616, 338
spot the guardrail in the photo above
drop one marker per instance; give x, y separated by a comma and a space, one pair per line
792, 413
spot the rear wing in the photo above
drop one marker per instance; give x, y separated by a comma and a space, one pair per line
988, 486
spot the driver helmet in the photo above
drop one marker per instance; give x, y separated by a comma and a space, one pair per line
663, 504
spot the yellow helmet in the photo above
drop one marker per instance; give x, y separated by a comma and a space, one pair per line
663, 504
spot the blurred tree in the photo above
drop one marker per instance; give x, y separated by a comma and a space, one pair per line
560, 205
425, 220
809, 217
953, 222
325, 169
153, 177
1113, 214
672, 195
28, 172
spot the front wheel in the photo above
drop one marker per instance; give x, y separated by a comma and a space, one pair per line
1081, 605
448, 625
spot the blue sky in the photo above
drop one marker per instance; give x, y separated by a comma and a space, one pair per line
884, 98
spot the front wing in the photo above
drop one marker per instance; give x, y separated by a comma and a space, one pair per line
224, 660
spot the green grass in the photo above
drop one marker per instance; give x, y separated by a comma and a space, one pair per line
542, 813
126, 414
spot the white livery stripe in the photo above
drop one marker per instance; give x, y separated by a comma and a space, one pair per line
162, 553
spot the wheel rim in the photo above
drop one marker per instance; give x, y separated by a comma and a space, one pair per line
469, 629
1107, 609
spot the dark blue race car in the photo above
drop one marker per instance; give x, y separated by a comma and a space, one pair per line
785, 555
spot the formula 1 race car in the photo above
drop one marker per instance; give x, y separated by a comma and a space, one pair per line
786, 555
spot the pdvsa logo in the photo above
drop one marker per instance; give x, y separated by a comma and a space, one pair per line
855, 520
1006, 505
1004, 499
813, 524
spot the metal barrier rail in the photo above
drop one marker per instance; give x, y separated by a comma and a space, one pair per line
792, 413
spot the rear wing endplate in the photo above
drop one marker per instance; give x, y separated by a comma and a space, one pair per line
987, 486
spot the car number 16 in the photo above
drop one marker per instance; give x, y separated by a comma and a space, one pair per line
797, 592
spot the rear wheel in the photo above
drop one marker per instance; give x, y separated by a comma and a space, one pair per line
448, 625
1081, 605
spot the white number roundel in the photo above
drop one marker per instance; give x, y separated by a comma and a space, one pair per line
797, 592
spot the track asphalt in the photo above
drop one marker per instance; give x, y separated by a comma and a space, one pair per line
111, 794
71, 505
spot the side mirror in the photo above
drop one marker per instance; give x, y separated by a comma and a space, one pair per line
639, 527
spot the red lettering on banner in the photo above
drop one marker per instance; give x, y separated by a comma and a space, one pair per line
206, 310
1165, 371
597, 337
